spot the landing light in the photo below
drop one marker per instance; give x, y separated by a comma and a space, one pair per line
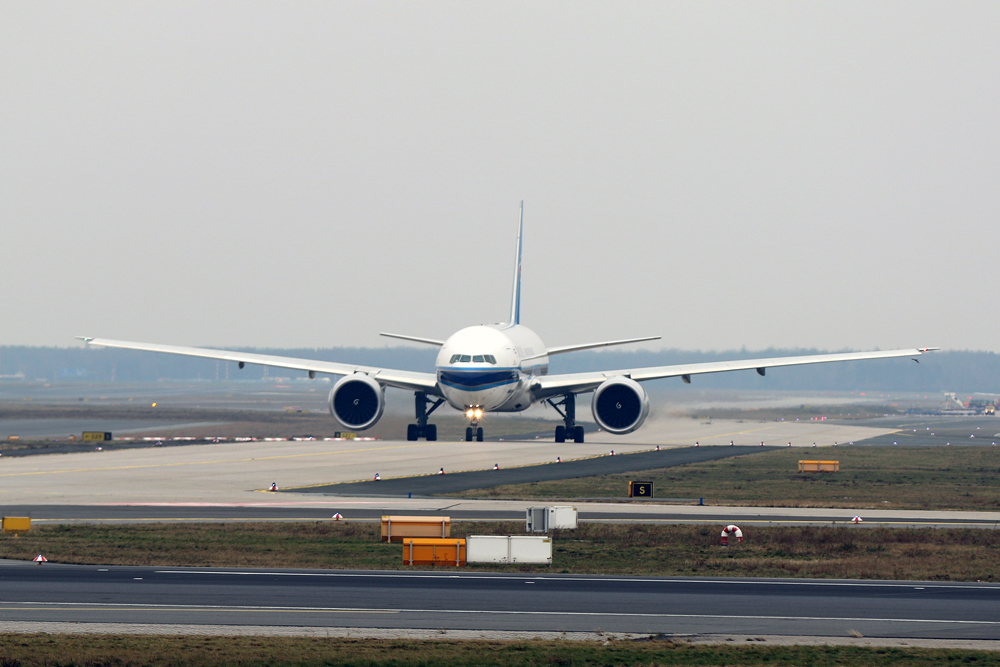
470, 413
478, 413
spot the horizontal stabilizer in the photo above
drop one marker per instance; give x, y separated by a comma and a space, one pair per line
415, 339
590, 346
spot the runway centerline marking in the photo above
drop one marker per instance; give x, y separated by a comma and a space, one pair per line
725, 582
78, 606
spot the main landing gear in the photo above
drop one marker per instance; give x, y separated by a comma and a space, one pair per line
570, 430
422, 429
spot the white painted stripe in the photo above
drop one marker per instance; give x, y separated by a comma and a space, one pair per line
503, 612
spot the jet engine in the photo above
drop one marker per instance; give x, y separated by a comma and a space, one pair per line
357, 401
620, 405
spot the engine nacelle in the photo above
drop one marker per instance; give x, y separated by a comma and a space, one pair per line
357, 401
620, 405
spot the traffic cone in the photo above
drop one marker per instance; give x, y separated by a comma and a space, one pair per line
338, 516
274, 486
41, 559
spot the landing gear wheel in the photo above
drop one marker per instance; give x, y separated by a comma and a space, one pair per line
468, 434
479, 434
578, 434
431, 432
560, 434
411, 432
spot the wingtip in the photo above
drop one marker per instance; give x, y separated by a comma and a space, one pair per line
85, 339
928, 349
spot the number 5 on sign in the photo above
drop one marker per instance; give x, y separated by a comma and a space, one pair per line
640, 489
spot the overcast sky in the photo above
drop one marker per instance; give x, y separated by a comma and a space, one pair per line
311, 173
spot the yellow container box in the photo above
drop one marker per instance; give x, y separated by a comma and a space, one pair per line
397, 528
433, 551
819, 466
16, 524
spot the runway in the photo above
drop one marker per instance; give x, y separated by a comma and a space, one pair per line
372, 509
455, 600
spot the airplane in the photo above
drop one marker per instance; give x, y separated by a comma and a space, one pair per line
500, 367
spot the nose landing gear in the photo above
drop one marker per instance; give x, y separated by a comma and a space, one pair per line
570, 430
474, 430
422, 429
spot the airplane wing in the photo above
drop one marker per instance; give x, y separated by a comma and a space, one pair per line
409, 380
553, 385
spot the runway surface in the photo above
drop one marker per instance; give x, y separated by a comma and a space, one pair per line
372, 509
426, 485
465, 600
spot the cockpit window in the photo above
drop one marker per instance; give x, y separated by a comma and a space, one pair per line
465, 358
491, 359
478, 359
454, 358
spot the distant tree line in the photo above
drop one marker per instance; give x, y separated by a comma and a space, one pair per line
961, 371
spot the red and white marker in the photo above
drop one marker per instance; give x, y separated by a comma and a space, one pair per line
377, 478
274, 486
612, 452
857, 519
558, 460
441, 472
697, 444
496, 466
338, 516
657, 448
41, 559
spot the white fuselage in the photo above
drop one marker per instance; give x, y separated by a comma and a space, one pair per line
490, 367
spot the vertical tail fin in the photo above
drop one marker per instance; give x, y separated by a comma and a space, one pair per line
515, 297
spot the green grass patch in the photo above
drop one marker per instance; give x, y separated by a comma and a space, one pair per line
936, 478
27, 650
848, 552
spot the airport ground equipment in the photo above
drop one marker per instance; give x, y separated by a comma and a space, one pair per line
434, 551
509, 549
544, 519
731, 531
819, 466
398, 528
499, 367
640, 489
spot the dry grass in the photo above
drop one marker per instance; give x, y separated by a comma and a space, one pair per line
849, 552
163, 651
959, 478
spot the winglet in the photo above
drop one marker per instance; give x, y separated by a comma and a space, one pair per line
515, 297
85, 339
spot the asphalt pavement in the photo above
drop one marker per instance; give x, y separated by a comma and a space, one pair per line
469, 600
426, 485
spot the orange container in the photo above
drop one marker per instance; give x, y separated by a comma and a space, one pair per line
397, 528
433, 551
819, 466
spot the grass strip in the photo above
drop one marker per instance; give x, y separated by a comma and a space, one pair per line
27, 650
844, 552
936, 478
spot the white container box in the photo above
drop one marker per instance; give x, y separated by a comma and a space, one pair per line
508, 549
543, 519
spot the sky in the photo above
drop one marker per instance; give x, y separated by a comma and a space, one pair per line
308, 174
